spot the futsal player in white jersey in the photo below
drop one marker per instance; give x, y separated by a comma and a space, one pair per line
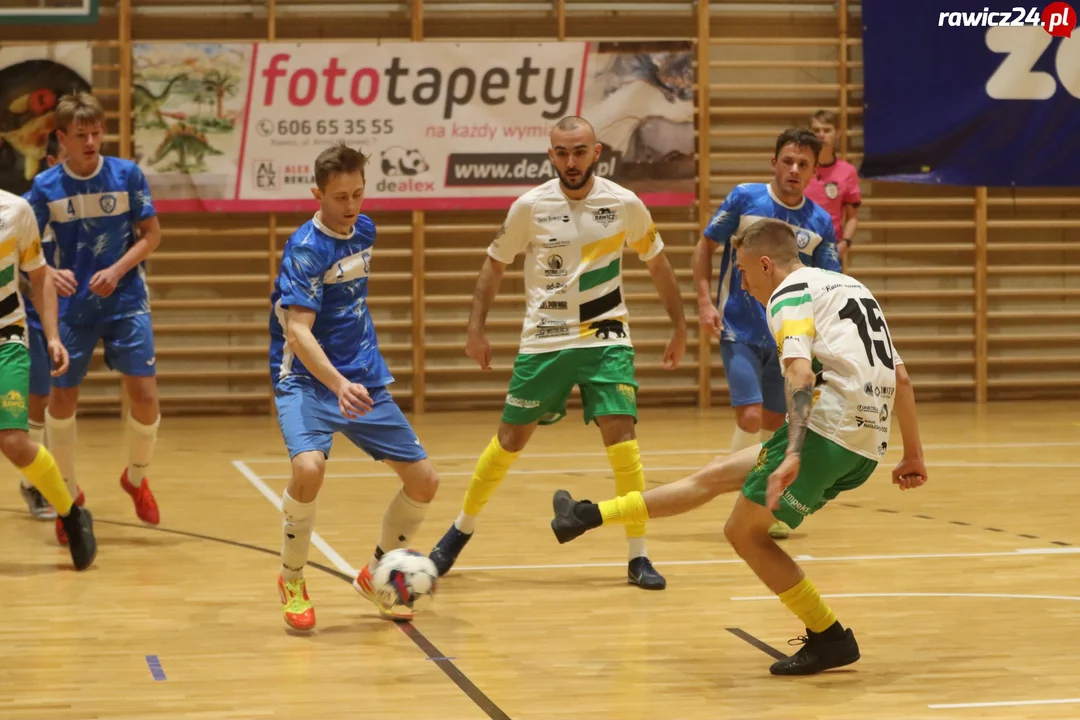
844, 383
572, 231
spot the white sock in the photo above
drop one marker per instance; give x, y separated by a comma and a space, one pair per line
37, 434
743, 440
62, 446
766, 434
298, 520
465, 523
402, 519
141, 439
637, 547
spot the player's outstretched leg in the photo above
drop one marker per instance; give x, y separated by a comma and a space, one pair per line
40, 383
401, 521
134, 338
574, 518
491, 469
827, 644
298, 504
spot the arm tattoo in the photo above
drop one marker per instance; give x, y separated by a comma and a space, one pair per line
800, 402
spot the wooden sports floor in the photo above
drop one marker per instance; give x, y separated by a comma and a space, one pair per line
964, 595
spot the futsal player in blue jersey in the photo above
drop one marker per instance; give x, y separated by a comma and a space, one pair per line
329, 377
105, 227
40, 365
747, 347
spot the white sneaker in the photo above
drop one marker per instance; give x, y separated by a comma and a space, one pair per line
37, 504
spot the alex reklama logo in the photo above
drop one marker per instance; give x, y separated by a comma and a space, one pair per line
1057, 18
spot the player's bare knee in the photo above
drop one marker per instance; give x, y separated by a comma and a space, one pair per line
17, 448
421, 481
142, 392
308, 469
62, 402
748, 418
772, 421
513, 438
36, 408
616, 429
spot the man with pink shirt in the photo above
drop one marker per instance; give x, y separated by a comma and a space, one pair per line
835, 185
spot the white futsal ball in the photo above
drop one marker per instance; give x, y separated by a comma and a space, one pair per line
405, 578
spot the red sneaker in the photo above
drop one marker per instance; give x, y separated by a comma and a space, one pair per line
145, 505
61, 536
299, 613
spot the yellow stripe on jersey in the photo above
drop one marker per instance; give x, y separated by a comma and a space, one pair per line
7, 248
611, 328
30, 253
643, 243
794, 328
606, 246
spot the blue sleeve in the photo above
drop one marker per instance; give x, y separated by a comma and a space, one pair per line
301, 277
726, 221
40, 203
826, 256
142, 205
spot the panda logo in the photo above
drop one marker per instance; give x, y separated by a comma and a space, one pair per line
401, 161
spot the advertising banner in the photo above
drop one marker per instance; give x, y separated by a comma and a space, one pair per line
237, 127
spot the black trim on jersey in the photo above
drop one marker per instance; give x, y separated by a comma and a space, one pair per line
12, 332
599, 306
789, 289
9, 305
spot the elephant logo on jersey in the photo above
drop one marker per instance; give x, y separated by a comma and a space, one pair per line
802, 239
606, 328
832, 190
108, 204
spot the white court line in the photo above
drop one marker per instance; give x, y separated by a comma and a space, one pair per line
1004, 596
316, 540
801, 558
1008, 703
606, 471
540, 455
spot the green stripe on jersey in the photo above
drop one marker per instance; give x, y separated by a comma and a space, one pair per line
7, 275
599, 276
791, 302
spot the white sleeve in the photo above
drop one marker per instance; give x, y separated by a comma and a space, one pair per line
28, 240
791, 321
641, 233
514, 235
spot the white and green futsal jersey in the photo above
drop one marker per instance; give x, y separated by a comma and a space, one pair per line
834, 321
573, 262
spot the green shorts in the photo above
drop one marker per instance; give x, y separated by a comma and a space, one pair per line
825, 471
14, 386
542, 384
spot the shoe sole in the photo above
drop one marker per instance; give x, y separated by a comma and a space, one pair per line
845, 663
92, 543
384, 613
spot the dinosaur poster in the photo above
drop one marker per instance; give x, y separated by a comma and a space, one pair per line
32, 79
237, 127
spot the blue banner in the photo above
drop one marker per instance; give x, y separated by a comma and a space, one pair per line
969, 93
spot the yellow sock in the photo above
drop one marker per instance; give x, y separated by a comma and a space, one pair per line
625, 458
629, 509
804, 601
45, 476
490, 470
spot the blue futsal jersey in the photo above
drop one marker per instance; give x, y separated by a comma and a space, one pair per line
94, 221
327, 272
744, 317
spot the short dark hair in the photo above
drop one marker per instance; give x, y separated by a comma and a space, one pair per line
768, 237
800, 137
338, 159
52, 147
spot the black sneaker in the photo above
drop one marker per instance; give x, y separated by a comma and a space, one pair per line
79, 526
642, 573
572, 517
836, 647
446, 551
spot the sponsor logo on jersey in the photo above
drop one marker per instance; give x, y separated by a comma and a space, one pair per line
108, 203
552, 218
555, 267
557, 288
802, 239
516, 402
864, 423
554, 242
795, 504
869, 409
605, 216
553, 305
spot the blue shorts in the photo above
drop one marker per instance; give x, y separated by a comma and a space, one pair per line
753, 376
308, 415
129, 348
40, 364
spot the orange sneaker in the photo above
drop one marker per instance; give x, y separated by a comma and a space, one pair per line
363, 585
145, 505
299, 613
61, 536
